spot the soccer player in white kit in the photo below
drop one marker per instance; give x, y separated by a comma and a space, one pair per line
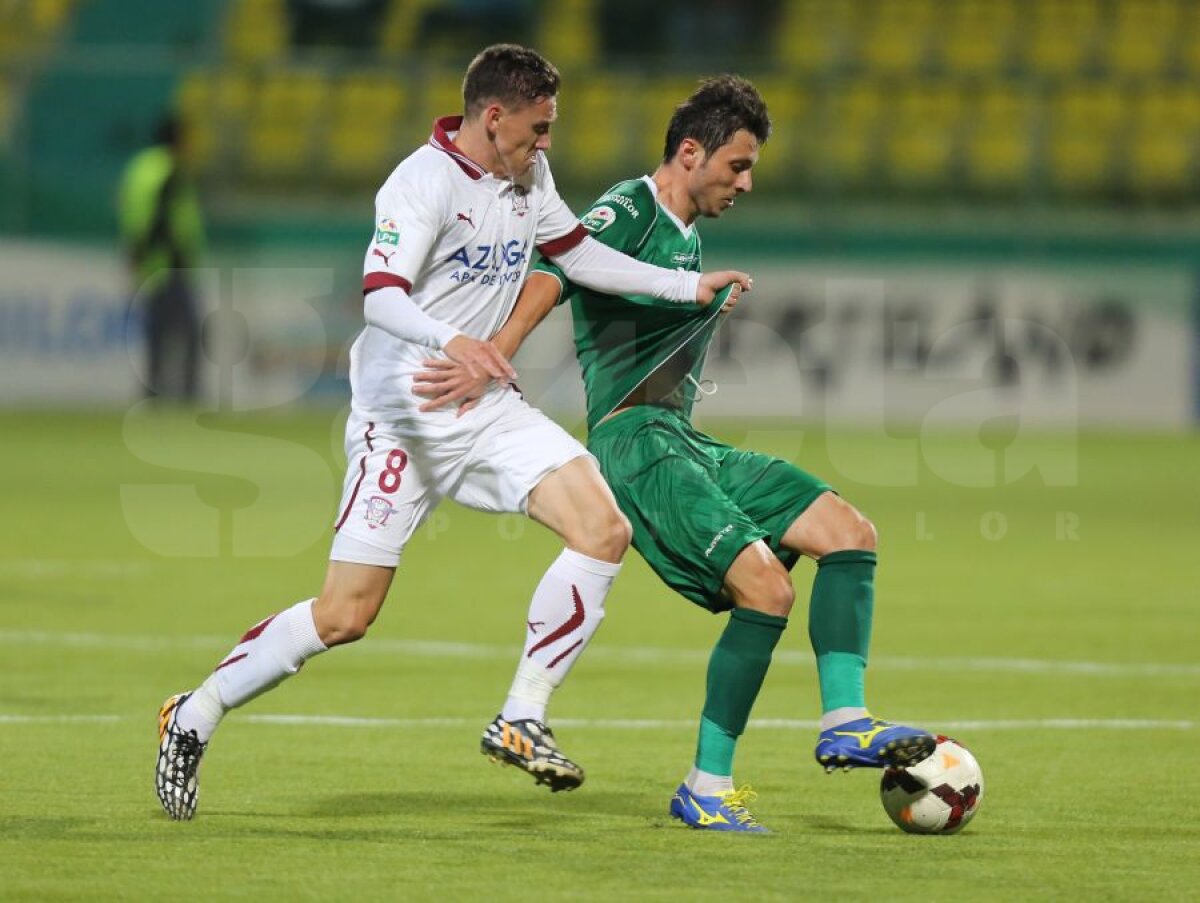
456, 224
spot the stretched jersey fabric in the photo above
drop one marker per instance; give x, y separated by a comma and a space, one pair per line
632, 341
458, 240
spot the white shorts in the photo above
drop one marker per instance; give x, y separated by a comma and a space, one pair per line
397, 472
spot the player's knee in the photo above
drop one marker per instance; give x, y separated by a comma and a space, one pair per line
606, 536
852, 531
344, 618
769, 591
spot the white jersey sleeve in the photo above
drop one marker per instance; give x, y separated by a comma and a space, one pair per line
407, 219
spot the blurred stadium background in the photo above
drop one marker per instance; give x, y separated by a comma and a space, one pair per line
1038, 158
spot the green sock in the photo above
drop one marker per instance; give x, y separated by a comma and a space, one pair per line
735, 673
839, 625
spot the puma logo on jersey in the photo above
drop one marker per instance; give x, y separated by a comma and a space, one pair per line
466, 217
534, 625
386, 257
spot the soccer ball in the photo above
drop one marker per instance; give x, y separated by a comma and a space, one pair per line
938, 795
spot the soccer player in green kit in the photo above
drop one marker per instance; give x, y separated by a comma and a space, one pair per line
719, 525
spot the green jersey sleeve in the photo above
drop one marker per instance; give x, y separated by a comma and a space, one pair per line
621, 218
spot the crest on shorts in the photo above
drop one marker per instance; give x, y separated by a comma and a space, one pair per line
387, 231
379, 510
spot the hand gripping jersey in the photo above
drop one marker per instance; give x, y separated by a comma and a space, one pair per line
458, 240
624, 342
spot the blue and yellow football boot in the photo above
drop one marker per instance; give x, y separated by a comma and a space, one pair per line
871, 743
726, 812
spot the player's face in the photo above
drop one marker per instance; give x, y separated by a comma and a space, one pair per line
721, 177
519, 134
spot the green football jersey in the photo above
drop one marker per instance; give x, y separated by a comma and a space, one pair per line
637, 342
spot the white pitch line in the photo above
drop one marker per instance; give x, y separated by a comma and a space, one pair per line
634, 724
627, 655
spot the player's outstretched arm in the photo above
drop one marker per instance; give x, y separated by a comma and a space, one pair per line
445, 382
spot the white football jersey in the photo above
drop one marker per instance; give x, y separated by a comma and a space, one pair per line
459, 241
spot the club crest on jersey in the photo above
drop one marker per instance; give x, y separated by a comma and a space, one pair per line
387, 231
379, 510
520, 200
599, 219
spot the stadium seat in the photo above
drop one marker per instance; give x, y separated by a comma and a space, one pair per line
976, 37
1162, 165
847, 146
1062, 37
1143, 36
922, 136
562, 35
586, 142
1083, 124
287, 112
896, 37
256, 31
998, 142
216, 105
787, 157
811, 34
655, 102
361, 145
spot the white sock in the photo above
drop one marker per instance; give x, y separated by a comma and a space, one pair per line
835, 717
269, 652
567, 607
702, 783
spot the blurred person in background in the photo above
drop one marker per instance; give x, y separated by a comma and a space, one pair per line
162, 230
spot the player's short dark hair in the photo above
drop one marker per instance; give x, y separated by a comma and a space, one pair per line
719, 108
510, 74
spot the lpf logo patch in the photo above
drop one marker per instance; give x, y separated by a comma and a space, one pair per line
379, 510
520, 200
599, 219
387, 231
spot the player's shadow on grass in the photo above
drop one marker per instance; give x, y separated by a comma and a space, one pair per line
502, 813
825, 825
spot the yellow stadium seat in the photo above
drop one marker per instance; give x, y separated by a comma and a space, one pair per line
896, 36
1063, 36
256, 30
788, 151
401, 23
656, 102
999, 140
592, 133
278, 150
377, 96
298, 96
567, 33
977, 36
1081, 161
847, 146
922, 135
1162, 163
811, 34
362, 151
1142, 37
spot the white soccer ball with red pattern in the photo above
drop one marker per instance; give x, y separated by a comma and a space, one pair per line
938, 795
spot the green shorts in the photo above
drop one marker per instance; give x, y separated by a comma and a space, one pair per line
694, 502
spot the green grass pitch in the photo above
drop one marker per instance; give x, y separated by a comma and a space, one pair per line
1052, 629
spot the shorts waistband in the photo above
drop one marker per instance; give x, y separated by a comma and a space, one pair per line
635, 416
